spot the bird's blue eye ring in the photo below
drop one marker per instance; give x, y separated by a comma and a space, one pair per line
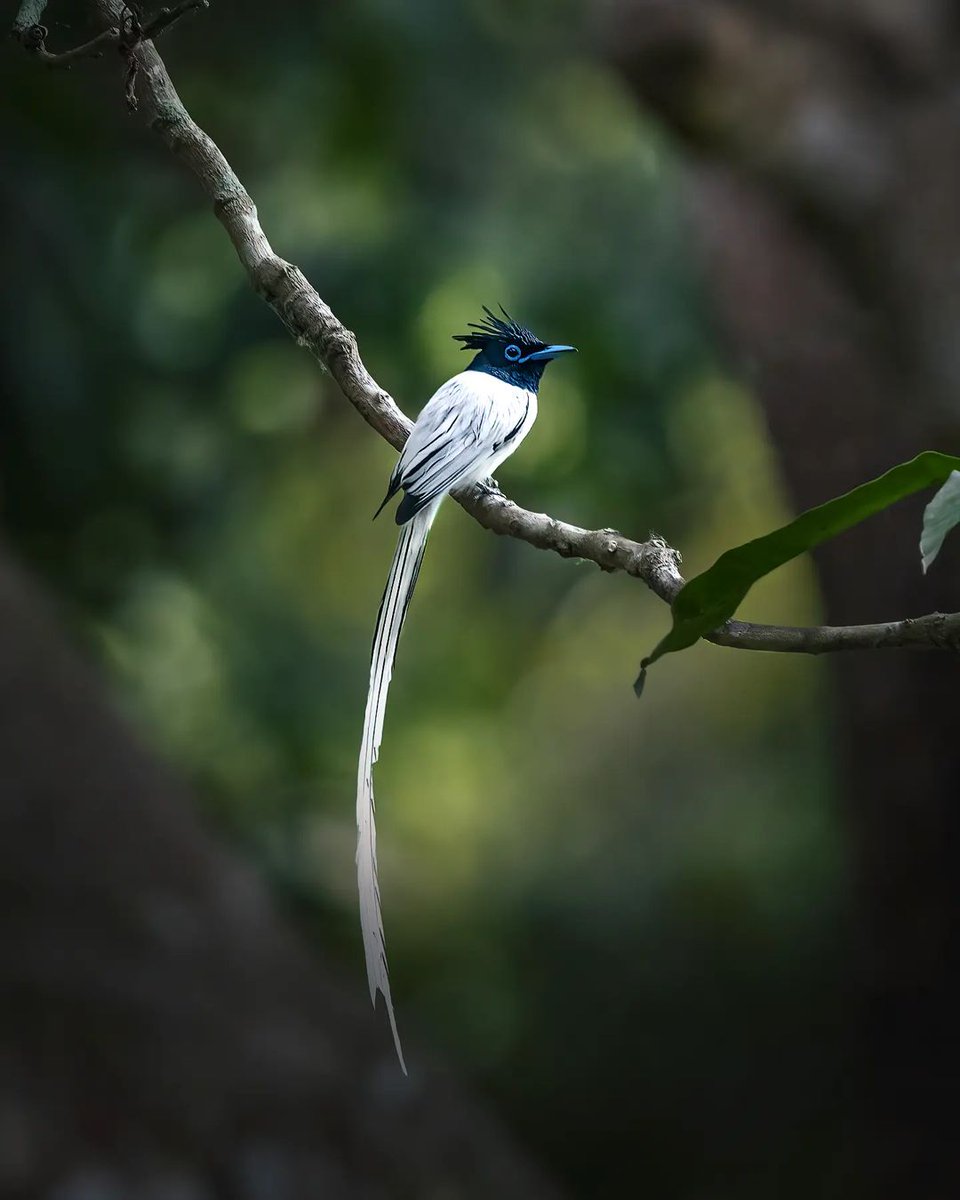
512, 353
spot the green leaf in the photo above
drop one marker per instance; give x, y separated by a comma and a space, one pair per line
713, 597
939, 517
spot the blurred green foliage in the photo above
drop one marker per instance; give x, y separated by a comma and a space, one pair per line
618, 918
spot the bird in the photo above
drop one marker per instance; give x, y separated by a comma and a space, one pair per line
470, 425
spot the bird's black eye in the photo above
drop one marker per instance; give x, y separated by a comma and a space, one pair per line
512, 353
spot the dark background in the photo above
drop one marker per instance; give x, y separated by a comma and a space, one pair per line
701, 946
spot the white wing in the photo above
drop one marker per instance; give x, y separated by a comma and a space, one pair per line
465, 430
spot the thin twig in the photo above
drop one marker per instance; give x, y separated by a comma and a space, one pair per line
164, 17
127, 33
33, 38
312, 323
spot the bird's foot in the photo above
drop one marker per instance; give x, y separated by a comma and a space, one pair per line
490, 487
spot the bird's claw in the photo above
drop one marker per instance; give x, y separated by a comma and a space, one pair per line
490, 487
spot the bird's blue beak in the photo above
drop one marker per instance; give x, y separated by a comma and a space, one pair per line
548, 352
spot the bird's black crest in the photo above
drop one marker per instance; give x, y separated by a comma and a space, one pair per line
495, 329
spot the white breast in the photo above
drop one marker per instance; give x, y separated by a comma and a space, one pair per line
467, 428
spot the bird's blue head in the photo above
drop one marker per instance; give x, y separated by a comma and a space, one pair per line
508, 351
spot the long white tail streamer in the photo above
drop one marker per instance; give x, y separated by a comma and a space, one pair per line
393, 608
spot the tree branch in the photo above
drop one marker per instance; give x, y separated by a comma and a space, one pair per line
32, 36
127, 33
28, 16
936, 631
313, 324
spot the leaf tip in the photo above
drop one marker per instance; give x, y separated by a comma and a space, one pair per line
641, 679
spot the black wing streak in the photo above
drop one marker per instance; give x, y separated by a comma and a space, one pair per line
391, 492
514, 432
422, 486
